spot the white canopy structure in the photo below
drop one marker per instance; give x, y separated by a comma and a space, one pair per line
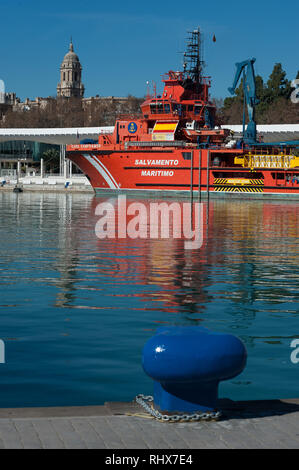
271, 132
58, 136
73, 135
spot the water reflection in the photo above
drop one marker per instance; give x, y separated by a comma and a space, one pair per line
60, 281
249, 252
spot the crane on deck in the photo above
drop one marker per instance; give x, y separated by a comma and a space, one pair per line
249, 88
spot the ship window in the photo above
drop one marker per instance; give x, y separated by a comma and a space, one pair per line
159, 108
190, 107
196, 109
156, 108
186, 155
166, 108
280, 176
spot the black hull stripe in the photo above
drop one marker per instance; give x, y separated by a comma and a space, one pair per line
120, 153
239, 170
175, 185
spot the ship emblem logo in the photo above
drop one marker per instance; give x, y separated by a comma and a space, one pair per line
132, 127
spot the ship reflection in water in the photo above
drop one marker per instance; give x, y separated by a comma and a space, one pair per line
86, 281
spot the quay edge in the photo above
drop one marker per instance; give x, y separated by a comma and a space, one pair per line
265, 424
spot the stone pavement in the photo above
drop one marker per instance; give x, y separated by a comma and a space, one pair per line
270, 424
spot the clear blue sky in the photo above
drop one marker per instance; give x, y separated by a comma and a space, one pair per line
122, 44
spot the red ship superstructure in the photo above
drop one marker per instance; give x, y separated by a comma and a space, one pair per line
177, 146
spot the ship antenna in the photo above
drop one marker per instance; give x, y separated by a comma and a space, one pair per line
193, 63
147, 90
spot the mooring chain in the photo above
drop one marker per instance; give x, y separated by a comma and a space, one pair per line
145, 400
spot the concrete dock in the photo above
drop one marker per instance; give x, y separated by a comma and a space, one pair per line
57, 187
272, 424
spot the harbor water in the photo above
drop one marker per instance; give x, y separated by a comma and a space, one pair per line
76, 309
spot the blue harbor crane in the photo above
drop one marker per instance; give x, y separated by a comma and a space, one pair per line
249, 88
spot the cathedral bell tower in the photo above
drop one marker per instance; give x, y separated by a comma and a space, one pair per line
70, 76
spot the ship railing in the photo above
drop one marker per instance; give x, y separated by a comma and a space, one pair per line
126, 117
168, 143
171, 75
206, 81
282, 161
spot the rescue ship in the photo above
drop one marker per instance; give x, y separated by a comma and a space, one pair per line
176, 146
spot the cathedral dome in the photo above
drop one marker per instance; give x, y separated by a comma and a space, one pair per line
70, 56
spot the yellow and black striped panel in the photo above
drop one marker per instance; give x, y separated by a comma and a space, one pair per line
246, 182
261, 182
220, 180
242, 189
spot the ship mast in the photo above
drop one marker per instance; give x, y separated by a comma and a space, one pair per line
193, 63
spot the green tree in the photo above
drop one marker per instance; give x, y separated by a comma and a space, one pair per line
277, 86
260, 88
275, 105
262, 106
233, 106
51, 158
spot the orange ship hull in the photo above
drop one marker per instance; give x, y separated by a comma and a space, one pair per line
177, 171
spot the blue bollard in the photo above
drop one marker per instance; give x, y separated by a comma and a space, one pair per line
187, 364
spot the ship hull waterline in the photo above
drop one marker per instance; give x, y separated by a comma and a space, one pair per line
157, 174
